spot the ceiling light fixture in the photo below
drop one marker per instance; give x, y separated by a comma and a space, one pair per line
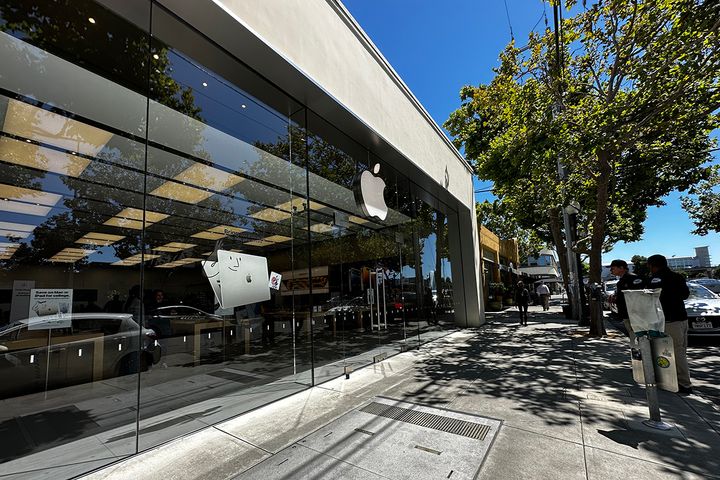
187, 184
91, 20
99, 239
42, 126
174, 247
132, 218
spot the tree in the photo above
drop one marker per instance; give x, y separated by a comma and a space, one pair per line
641, 269
704, 206
625, 103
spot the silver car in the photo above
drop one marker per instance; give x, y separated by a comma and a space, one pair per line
94, 347
711, 284
703, 309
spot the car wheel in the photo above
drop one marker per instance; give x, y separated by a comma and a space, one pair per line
127, 365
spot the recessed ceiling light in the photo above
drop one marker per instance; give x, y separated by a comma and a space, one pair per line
91, 20
156, 56
33, 123
204, 84
174, 247
25, 201
198, 175
243, 105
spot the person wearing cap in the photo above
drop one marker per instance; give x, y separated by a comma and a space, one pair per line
626, 281
522, 298
672, 298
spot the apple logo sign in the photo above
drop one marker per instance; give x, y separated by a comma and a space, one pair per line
369, 193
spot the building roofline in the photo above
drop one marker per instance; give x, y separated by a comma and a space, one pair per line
365, 40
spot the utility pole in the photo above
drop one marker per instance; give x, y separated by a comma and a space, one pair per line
573, 274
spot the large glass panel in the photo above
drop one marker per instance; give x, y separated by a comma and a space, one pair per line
436, 305
358, 242
72, 119
233, 210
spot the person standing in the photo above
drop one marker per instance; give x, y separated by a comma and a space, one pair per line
626, 281
544, 293
522, 298
674, 292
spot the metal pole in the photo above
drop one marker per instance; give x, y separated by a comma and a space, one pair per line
650, 386
571, 259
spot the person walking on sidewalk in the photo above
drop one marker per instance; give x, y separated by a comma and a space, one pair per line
626, 281
522, 298
674, 292
544, 293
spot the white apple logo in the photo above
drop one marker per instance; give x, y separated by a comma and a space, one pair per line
372, 190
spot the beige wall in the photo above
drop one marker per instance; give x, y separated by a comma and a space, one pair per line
351, 72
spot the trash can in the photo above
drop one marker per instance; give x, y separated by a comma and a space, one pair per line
567, 310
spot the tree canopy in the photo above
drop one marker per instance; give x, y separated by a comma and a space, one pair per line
626, 108
704, 206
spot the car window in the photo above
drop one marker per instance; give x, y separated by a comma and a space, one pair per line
697, 291
25, 334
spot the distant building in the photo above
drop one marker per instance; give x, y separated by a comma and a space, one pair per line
544, 266
500, 259
700, 260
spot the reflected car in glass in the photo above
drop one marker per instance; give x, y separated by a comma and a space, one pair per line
711, 284
173, 320
97, 346
609, 296
703, 309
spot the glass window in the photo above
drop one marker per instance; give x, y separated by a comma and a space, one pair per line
72, 119
222, 176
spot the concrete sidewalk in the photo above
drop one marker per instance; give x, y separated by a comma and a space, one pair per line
568, 404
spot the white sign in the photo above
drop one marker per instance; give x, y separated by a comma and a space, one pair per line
20, 299
275, 279
50, 308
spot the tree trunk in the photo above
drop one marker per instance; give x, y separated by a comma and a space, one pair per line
556, 230
597, 321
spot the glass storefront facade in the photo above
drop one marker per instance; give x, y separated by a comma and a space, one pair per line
181, 242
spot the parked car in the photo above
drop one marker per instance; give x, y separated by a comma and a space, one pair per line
703, 309
609, 296
28, 364
711, 284
353, 305
167, 320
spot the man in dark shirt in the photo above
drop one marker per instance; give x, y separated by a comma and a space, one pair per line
522, 297
674, 292
626, 281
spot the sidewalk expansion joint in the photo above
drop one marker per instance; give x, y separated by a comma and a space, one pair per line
215, 427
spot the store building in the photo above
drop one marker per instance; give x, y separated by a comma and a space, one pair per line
204, 207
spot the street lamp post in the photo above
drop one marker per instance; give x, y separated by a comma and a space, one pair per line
573, 264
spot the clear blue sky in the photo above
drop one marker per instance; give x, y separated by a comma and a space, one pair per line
437, 47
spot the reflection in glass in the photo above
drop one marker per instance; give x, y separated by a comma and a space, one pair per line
162, 274
71, 334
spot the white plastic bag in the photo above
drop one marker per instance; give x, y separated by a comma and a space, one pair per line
644, 310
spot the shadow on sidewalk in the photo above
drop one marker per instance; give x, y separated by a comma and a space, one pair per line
550, 376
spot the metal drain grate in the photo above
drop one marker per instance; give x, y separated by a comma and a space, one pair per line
429, 420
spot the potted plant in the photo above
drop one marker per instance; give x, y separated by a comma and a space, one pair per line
497, 290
